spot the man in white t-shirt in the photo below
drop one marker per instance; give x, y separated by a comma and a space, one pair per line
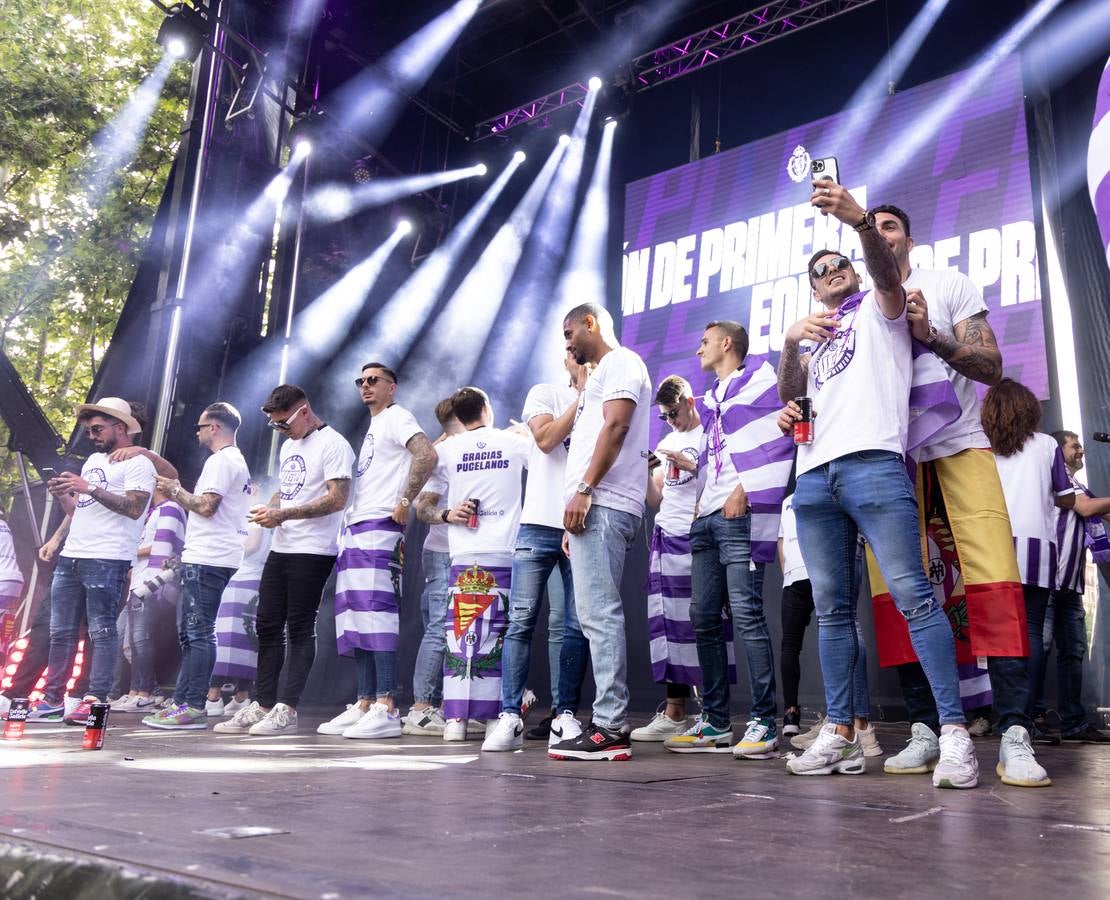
306, 512
604, 490
960, 503
479, 474
673, 491
394, 463
214, 536
549, 412
107, 502
852, 479
425, 717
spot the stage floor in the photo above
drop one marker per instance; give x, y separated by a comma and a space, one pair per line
417, 817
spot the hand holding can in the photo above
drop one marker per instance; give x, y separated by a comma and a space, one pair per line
472, 522
803, 428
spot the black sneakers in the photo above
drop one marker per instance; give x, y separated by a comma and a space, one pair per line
542, 731
1089, 735
595, 743
791, 723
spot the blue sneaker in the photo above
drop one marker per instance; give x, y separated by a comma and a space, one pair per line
41, 711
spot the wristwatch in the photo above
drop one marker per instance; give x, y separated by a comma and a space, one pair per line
931, 337
405, 502
443, 515
584, 489
866, 223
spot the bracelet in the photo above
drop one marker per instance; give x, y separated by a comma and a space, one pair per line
443, 515
176, 490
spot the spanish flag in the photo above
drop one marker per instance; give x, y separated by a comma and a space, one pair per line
968, 553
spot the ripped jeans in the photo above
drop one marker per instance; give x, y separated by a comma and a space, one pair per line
869, 493
83, 588
201, 589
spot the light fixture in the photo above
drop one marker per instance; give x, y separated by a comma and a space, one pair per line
594, 83
184, 31
481, 169
519, 156
404, 226
564, 139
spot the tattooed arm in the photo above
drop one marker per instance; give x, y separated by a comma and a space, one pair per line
972, 350
793, 371
333, 501
132, 504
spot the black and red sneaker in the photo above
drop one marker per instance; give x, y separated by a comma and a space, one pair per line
595, 743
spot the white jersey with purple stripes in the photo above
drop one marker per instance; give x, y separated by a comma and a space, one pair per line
164, 534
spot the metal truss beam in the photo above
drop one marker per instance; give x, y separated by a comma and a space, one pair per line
757, 26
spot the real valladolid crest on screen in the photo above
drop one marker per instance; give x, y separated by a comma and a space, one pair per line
729, 236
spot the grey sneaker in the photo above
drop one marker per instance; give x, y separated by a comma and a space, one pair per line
427, 721
242, 721
921, 754
1016, 763
870, 741
805, 740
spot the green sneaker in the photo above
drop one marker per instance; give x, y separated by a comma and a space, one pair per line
178, 718
701, 738
760, 740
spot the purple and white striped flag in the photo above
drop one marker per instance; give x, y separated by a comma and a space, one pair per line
368, 586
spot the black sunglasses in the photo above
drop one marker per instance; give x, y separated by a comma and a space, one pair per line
668, 416
823, 268
372, 380
197, 428
285, 423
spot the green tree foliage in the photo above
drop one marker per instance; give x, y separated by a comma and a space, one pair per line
66, 68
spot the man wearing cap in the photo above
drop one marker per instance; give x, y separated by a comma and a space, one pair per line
107, 502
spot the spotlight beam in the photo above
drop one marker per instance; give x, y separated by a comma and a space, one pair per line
926, 127
335, 202
397, 324
442, 360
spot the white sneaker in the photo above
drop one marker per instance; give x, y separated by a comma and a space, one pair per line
760, 740
454, 730
957, 766
828, 754
342, 722
477, 727
143, 705
506, 734
426, 721
242, 721
564, 727
214, 707
282, 719
378, 722
870, 741
233, 706
920, 755
660, 728
805, 740
70, 704
1016, 763
124, 704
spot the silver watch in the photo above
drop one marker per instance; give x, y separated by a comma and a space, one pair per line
584, 489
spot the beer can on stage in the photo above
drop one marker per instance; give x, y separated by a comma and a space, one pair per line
17, 719
95, 726
472, 522
803, 428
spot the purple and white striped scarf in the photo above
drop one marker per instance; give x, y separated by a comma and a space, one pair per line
746, 416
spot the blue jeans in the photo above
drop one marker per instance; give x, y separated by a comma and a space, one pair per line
201, 589
427, 679
84, 589
538, 552
869, 493
597, 563
557, 590
722, 572
1070, 634
376, 673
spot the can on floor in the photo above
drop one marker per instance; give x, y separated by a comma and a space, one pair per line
17, 719
95, 726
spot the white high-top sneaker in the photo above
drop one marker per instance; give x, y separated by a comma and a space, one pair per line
564, 727
507, 734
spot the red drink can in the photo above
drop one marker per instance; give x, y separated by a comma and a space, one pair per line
803, 429
472, 522
672, 471
17, 719
95, 726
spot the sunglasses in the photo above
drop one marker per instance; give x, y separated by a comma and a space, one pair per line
823, 268
197, 428
96, 430
669, 416
372, 380
285, 423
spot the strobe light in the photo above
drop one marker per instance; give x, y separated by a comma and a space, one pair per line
184, 31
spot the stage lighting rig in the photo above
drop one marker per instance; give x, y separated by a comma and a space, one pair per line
184, 30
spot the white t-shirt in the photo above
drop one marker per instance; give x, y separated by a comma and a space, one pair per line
96, 532
253, 562
543, 494
436, 541
9, 565
485, 464
951, 298
218, 540
676, 511
383, 464
621, 375
307, 466
860, 385
793, 566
